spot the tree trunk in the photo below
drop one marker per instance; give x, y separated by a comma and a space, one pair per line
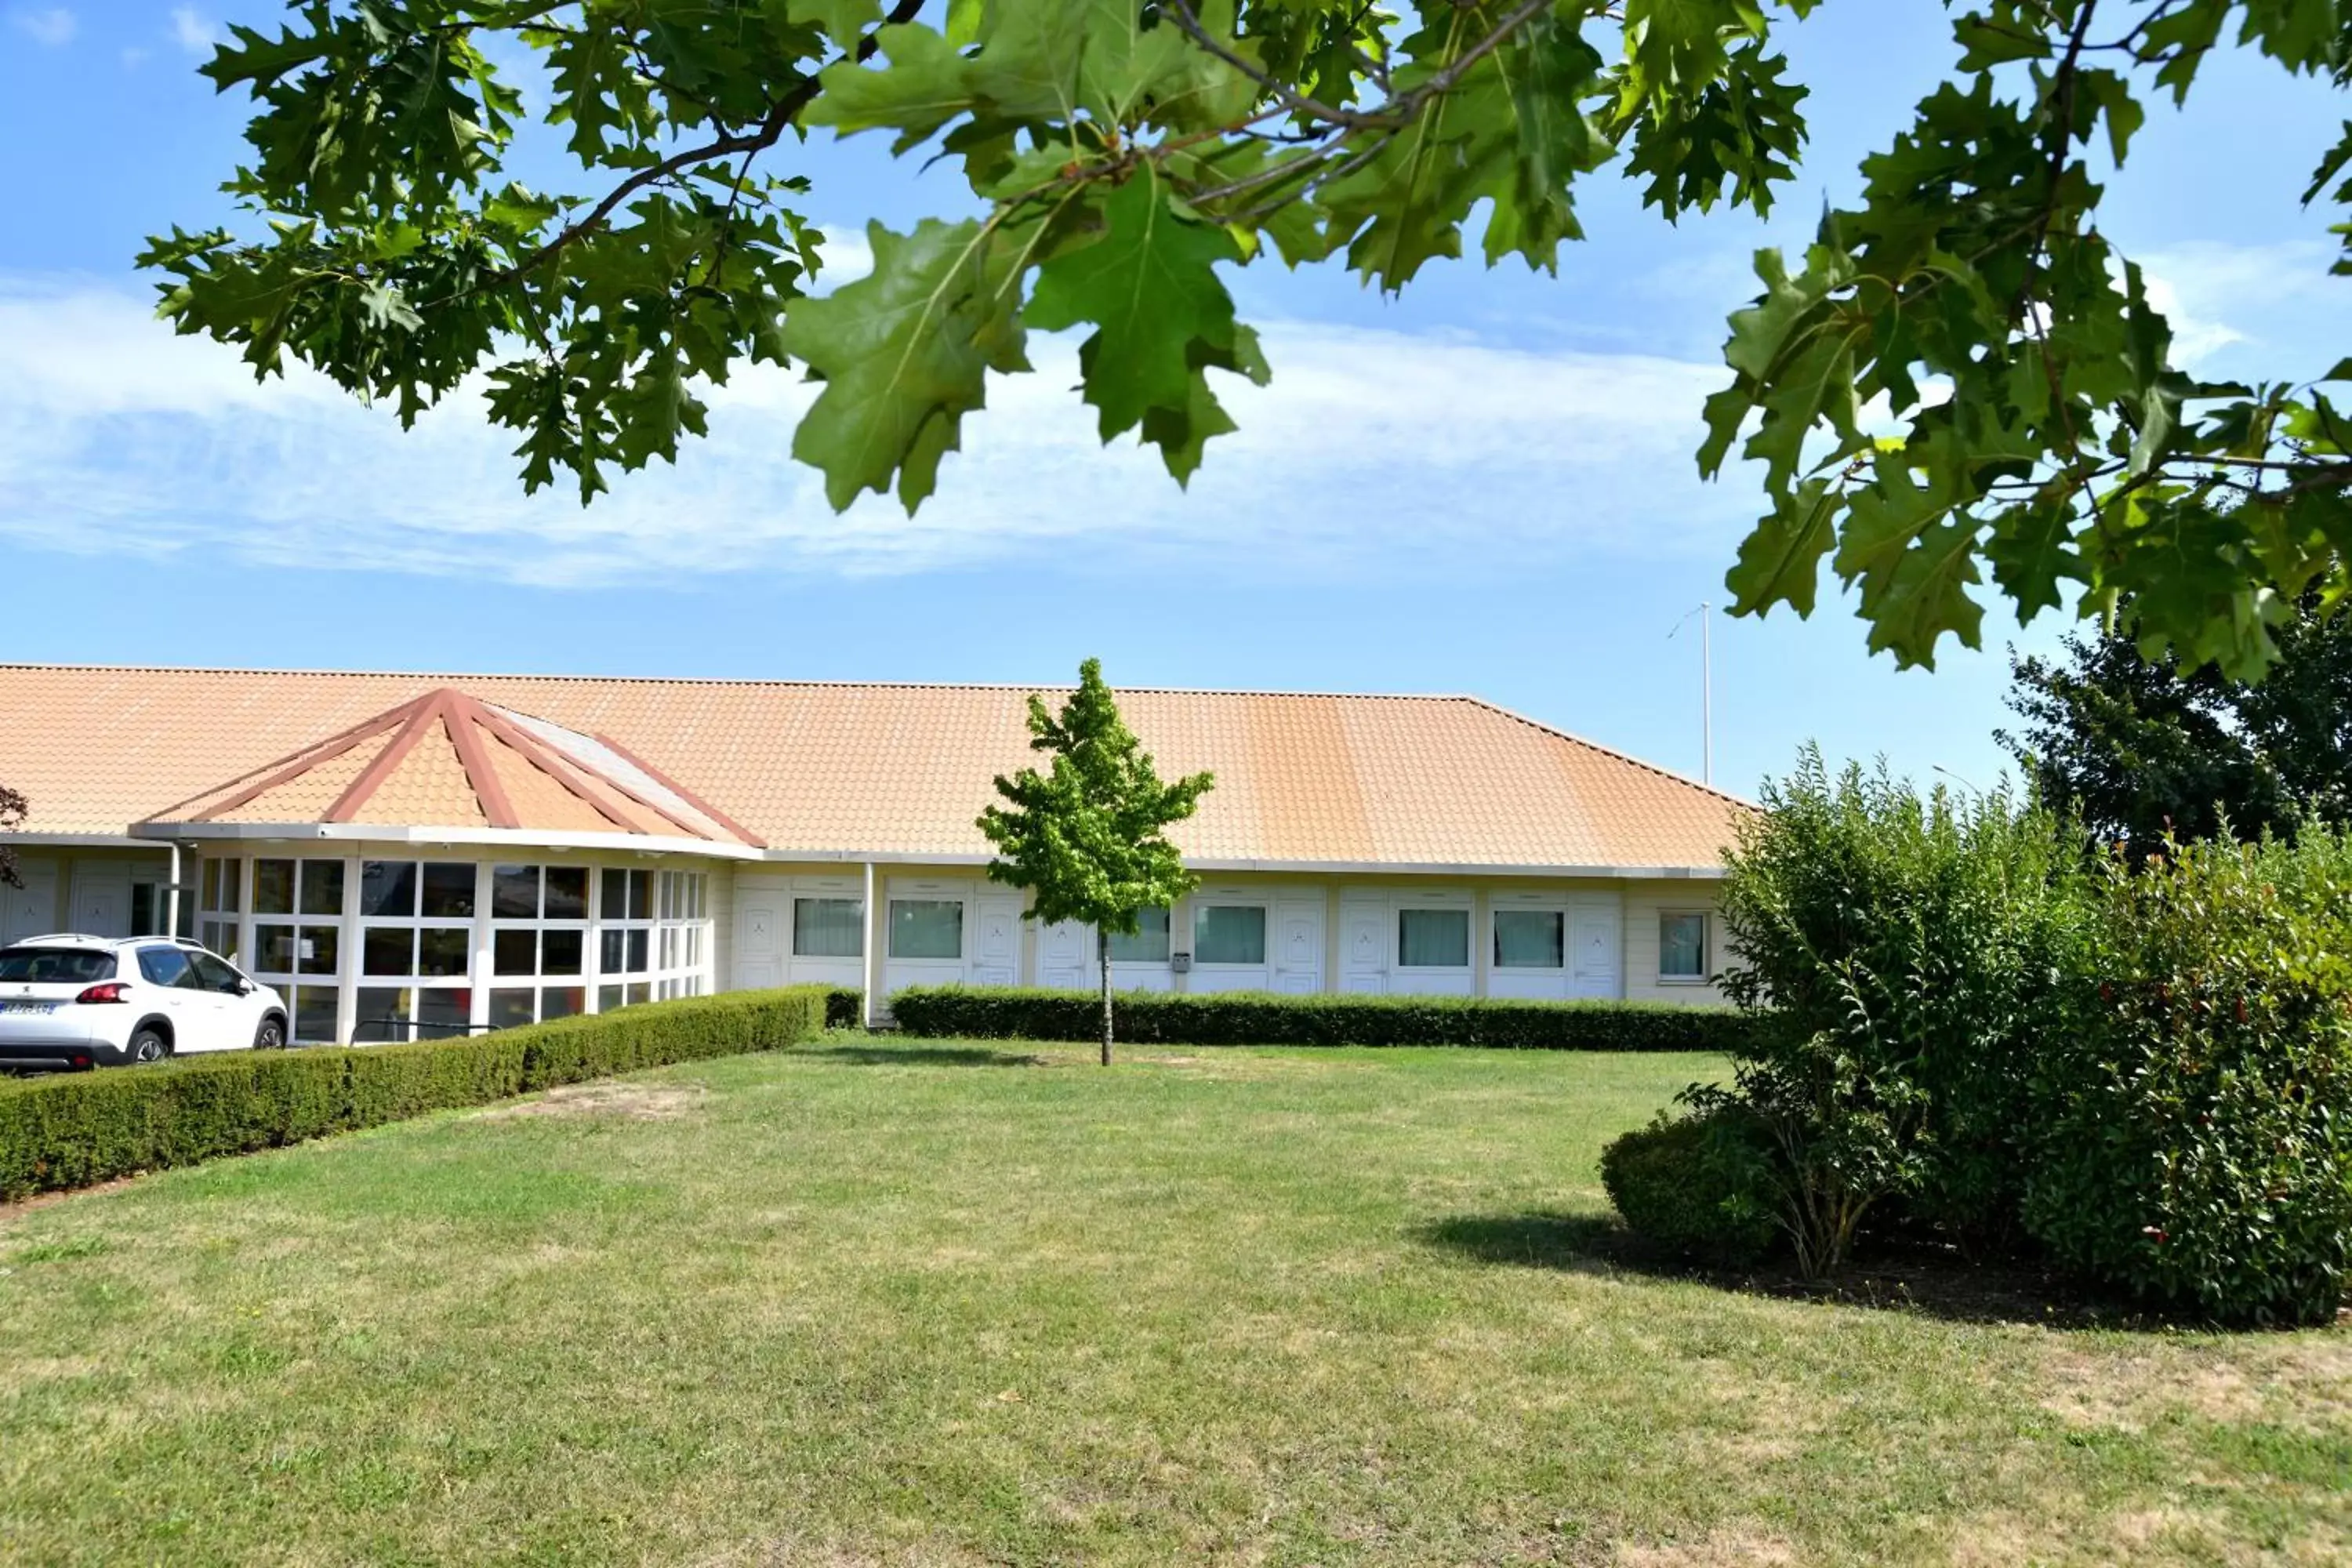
1102, 955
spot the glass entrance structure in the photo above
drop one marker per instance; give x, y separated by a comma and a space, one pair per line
369, 949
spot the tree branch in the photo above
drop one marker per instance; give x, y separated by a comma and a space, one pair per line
2062, 137
770, 131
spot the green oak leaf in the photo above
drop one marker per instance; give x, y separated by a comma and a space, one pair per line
1912, 550
1780, 561
903, 353
1149, 287
843, 21
923, 86
1182, 436
2032, 550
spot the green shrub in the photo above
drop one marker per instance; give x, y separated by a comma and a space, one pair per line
72, 1130
2195, 1125
1228, 1018
1695, 1184
1902, 955
844, 1008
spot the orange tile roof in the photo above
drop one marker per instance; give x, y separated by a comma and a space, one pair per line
445, 760
842, 769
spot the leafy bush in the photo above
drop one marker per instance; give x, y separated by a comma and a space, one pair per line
844, 1008
1902, 955
69, 1131
1695, 1184
1231, 1018
2196, 1122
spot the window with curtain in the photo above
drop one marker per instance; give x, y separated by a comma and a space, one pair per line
1149, 943
925, 927
828, 928
1433, 939
1681, 947
1229, 933
1530, 939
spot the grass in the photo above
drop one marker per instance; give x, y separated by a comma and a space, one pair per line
944, 1303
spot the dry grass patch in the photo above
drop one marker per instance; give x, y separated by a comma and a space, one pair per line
2302, 1381
1720, 1548
637, 1100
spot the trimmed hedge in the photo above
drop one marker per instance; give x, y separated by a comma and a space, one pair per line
73, 1130
1260, 1019
1696, 1184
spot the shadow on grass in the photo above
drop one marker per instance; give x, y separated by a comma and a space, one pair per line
924, 1055
1930, 1281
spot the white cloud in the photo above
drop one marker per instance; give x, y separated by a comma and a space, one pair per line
52, 24
1374, 453
2272, 303
191, 30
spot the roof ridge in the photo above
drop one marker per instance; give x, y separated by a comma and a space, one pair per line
451, 678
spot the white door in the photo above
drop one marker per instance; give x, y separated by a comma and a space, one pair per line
1298, 947
1364, 948
758, 943
1065, 956
101, 899
996, 939
31, 910
1592, 955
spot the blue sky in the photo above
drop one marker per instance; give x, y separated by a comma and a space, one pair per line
1485, 486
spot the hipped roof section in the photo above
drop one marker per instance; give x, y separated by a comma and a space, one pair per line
840, 770
448, 760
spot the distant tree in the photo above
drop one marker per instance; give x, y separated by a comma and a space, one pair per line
13, 810
2139, 746
1088, 839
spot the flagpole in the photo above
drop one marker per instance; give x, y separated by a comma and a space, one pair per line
1705, 613
1707, 693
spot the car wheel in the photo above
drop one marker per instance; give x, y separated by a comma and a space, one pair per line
149, 1046
270, 1035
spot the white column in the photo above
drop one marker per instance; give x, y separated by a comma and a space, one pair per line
1180, 939
592, 962
479, 980
877, 927
347, 956
245, 953
1482, 939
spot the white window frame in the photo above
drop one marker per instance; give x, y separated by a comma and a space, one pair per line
1205, 900
221, 905
682, 942
1706, 976
538, 982
297, 984
364, 1029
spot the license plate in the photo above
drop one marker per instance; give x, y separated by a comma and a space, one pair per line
27, 1007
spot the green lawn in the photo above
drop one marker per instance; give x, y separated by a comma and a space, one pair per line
932, 1303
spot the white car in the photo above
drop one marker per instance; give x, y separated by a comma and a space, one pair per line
70, 1001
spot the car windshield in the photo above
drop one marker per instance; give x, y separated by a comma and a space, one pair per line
54, 966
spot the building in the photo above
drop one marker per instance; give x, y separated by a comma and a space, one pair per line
414, 854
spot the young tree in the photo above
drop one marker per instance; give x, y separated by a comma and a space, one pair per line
2140, 747
1088, 839
1120, 153
13, 811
